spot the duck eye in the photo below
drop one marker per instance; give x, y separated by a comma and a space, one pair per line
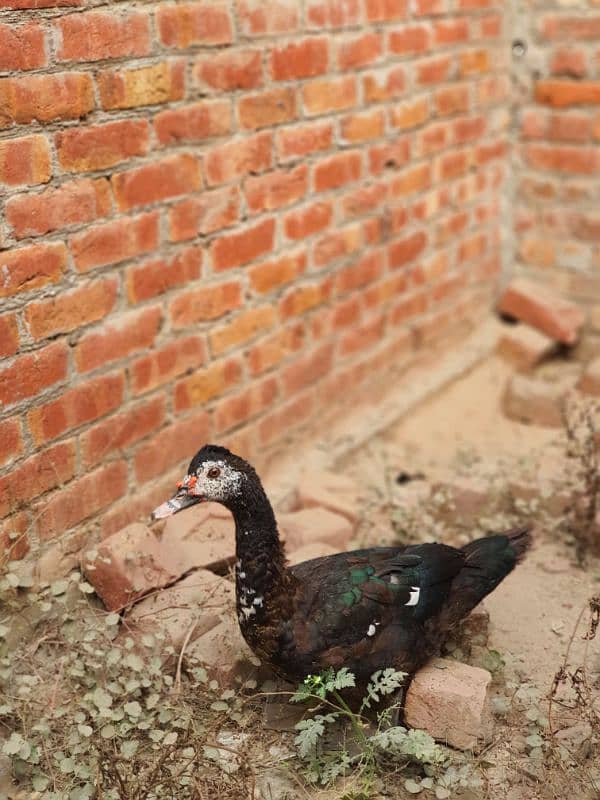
213, 472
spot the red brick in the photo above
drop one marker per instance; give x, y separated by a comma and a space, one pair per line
433, 138
561, 94
77, 406
286, 418
31, 267
363, 127
122, 430
400, 253
384, 84
386, 10
276, 190
235, 249
239, 157
72, 203
31, 373
259, 17
205, 303
410, 114
115, 241
273, 274
22, 48
273, 349
541, 308
409, 40
25, 161
363, 272
337, 171
297, 60
9, 335
172, 445
230, 70
153, 278
474, 62
45, 98
160, 180
472, 247
188, 24
569, 62
93, 36
267, 108
301, 141
205, 384
363, 336
81, 499
467, 130
433, 71
43, 471
491, 26
569, 127
11, 441
71, 310
337, 244
308, 220
364, 200
412, 180
204, 213
426, 8
118, 339
409, 308
333, 13
145, 86
452, 99
300, 299
162, 365
359, 52
101, 146
242, 328
453, 31
570, 28
308, 369
389, 156
194, 123
323, 96
345, 313
451, 165
239, 408
576, 160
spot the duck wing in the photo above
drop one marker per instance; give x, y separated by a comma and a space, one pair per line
355, 595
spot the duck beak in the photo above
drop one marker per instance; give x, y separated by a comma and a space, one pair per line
183, 498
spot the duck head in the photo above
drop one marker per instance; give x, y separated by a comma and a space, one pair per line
214, 474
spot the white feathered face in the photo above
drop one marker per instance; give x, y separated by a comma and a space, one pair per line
212, 480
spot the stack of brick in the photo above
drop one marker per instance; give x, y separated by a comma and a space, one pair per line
220, 217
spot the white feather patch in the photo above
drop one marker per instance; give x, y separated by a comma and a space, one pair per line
372, 629
415, 593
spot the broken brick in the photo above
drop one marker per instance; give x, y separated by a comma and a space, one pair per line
450, 701
524, 347
543, 309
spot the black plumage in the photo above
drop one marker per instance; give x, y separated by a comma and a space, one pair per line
366, 609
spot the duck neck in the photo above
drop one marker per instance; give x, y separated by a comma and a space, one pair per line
261, 575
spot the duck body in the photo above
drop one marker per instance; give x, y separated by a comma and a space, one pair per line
364, 609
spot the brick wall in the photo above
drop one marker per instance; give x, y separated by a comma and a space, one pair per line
222, 218
558, 158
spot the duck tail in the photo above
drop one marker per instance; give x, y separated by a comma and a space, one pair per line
488, 561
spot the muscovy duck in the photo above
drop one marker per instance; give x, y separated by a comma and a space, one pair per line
365, 609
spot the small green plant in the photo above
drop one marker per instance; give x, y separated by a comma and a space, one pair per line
89, 711
363, 748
